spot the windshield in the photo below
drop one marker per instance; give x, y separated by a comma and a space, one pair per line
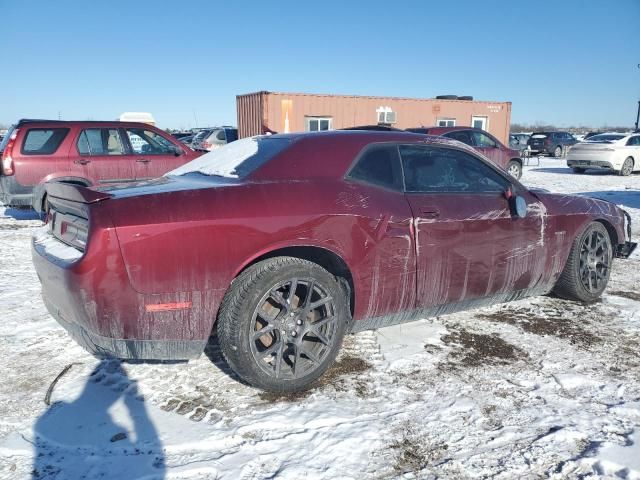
606, 137
5, 140
237, 159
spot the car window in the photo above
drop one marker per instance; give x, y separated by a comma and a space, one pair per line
232, 135
379, 165
482, 140
634, 141
148, 142
100, 141
43, 141
460, 135
429, 169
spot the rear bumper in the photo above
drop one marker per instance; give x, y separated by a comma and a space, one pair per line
91, 297
107, 347
599, 164
14, 194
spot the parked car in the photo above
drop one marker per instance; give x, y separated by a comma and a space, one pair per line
186, 140
485, 143
288, 242
83, 152
617, 152
215, 138
550, 143
198, 137
590, 134
181, 135
375, 128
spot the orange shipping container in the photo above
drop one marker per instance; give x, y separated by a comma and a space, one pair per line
263, 112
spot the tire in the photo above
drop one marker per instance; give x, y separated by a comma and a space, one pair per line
557, 152
627, 167
587, 271
578, 170
301, 332
514, 168
44, 213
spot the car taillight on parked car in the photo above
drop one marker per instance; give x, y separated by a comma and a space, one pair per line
7, 160
206, 145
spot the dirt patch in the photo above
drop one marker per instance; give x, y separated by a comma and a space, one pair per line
630, 295
335, 376
476, 349
552, 324
414, 452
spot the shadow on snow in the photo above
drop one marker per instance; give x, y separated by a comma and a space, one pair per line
80, 439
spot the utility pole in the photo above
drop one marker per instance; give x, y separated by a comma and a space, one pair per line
638, 114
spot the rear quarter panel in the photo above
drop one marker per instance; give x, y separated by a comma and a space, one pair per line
200, 240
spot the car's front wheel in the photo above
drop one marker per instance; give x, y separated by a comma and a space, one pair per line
282, 322
587, 271
514, 168
627, 167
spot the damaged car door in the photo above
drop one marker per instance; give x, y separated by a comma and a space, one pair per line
470, 243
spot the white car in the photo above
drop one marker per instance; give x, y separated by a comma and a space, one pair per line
619, 152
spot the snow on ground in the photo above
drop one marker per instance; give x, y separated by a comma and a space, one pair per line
540, 387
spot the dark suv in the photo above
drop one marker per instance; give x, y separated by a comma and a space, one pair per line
506, 158
83, 153
550, 143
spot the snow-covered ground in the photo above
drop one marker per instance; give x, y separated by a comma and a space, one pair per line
540, 387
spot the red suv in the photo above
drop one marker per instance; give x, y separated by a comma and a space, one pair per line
84, 153
485, 143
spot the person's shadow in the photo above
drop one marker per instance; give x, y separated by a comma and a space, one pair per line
80, 439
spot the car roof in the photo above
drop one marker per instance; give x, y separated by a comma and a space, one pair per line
61, 123
329, 154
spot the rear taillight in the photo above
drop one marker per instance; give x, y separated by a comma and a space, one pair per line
70, 229
7, 159
206, 145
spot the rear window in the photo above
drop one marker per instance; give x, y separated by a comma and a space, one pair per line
43, 141
237, 159
539, 135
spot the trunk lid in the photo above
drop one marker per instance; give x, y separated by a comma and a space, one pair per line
68, 216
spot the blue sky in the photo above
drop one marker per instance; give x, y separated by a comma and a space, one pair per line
565, 62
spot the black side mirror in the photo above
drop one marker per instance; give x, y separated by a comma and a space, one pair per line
517, 204
177, 151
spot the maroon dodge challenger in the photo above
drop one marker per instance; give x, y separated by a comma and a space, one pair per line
286, 243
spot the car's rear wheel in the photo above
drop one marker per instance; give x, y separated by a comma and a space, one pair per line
514, 168
282, 322
627, 167
557, 152
578, 170
587, 271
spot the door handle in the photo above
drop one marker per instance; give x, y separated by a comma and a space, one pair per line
143, 160
82, 161
429, 212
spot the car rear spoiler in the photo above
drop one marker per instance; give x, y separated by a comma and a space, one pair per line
625, 249
74, 192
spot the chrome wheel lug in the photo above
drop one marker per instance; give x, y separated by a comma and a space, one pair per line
299, 321
294, 333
